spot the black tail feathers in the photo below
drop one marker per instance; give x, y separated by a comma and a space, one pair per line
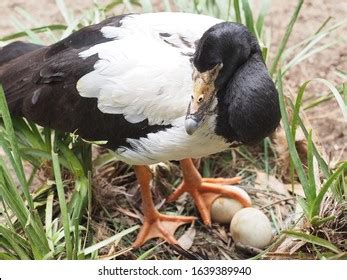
16, 49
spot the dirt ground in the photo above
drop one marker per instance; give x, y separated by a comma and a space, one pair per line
326, 119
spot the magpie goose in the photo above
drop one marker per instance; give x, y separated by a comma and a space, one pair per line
156, 87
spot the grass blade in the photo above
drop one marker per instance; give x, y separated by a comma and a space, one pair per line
110, 240
62, 203
312, 239
247, 11
310, 170
15, 244
49, 219
323, 165
237, 11
64, 12
148, 253
41, 29
4, 112
337, 96
261, 17
291, 142
74, 164
298, 103
325, 188
286, 36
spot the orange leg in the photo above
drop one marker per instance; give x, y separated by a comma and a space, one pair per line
205, 190
155, 224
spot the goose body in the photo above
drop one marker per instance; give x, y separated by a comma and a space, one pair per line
144, 74
155, 87
127, 81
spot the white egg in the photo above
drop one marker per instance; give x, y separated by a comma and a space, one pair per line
251, 227
223, 208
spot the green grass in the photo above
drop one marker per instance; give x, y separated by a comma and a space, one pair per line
54, 220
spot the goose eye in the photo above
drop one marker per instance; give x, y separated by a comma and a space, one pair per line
200, 98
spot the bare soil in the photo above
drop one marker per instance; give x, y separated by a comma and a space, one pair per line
326, 119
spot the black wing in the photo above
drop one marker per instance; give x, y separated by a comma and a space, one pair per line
41, 86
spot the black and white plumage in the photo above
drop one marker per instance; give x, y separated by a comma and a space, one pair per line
156, 87
128, 81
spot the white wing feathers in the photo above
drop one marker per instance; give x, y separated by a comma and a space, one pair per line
140, 75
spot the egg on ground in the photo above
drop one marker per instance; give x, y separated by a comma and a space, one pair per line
251, 227
223, 209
